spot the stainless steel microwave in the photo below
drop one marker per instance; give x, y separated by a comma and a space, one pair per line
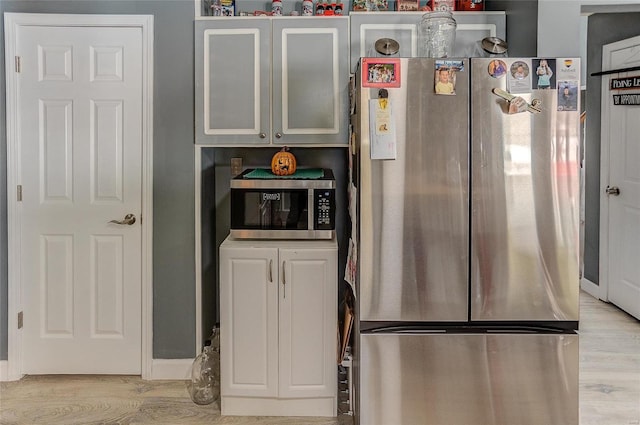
283, 208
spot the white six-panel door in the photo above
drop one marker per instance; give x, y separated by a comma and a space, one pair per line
620, 214
80, 112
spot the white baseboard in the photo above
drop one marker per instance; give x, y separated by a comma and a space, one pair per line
172, 369
591, 288
4, 370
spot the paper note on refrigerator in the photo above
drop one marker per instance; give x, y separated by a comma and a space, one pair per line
381, 129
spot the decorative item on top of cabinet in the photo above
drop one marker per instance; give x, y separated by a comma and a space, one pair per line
366, 28
267, 80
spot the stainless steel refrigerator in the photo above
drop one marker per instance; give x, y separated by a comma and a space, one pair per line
467, 243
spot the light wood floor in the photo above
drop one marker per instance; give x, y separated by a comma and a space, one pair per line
609, 388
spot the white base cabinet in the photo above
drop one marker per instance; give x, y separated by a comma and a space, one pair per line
278, 324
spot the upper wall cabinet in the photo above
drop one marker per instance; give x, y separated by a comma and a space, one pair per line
263, 80
367, 28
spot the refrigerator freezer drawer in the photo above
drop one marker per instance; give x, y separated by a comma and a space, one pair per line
462, 379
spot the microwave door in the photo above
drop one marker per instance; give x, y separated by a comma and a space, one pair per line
297, 210
265, 214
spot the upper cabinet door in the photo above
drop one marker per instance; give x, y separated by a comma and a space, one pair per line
367, 28
310, 80
233, 59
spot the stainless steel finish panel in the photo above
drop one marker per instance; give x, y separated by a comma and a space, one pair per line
526, 199
414, 230
281, 234
282, 184
467, 379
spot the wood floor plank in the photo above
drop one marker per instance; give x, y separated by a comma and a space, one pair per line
609, 388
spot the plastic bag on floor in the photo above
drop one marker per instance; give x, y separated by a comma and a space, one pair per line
204, 387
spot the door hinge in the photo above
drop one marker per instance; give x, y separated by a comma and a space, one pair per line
20, 320
19, 193
18, 64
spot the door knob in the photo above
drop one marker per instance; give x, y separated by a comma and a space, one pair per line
129, 219
612, 190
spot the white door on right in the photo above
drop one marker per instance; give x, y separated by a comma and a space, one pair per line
620, 181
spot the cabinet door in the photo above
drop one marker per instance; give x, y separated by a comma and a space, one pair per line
310, 80
233, 60
367, 28
249, 321
308, 318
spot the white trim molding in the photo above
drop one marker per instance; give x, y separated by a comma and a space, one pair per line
3, 370
591, 288
13, 368
198, 247
605, 115
171, 369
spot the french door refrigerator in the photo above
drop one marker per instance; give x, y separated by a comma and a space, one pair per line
467, 243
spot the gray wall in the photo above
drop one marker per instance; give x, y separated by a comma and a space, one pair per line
173, 193
522, 25
173, 244
603, 28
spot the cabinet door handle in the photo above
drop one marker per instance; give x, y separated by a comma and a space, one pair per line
284, 283
271, 271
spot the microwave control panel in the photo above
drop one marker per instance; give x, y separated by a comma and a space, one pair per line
324, 211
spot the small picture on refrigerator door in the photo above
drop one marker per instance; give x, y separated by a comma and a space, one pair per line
497, 68
519, 77
567, 95
445, 76
519, 70
568, 69
378, 72
545, 76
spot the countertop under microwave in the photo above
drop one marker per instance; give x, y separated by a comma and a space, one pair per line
265, 206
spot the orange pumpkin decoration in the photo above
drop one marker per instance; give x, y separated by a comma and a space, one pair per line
283, 163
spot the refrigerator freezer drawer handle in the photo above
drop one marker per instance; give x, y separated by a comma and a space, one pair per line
406, 330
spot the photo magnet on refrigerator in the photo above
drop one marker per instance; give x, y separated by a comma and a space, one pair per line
519, 77
381, 129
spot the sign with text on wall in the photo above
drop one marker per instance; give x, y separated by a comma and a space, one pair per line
626, 99
625, 83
